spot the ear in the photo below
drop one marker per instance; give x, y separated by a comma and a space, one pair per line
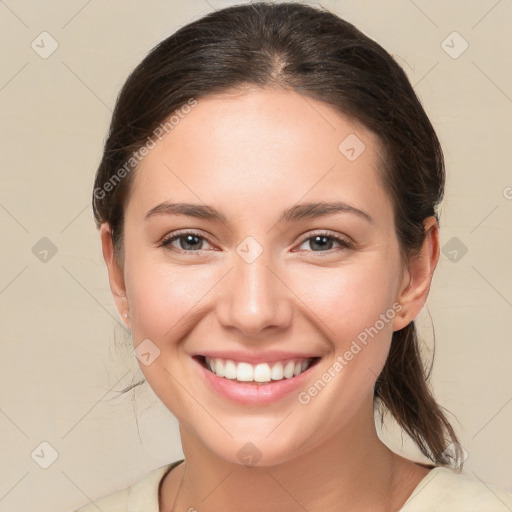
115, 274
417, 278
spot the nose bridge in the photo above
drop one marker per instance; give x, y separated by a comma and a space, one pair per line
254, 298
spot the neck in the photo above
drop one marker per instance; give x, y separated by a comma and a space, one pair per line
334, 475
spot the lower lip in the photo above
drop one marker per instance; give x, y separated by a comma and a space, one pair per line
253, 394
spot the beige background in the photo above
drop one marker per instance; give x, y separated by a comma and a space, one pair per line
63, 353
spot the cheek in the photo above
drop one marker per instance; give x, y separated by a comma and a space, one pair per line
353, 308
162, 298
343, 301
347, 299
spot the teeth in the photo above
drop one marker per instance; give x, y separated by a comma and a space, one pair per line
262, 372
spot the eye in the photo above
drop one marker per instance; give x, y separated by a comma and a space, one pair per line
323, 242
188, 241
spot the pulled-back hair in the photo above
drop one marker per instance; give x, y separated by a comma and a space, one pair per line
311, 51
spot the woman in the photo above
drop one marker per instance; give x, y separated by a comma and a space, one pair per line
267, 204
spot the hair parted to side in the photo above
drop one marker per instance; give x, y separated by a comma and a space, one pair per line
319, 55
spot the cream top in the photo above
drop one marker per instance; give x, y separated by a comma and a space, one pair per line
441, 490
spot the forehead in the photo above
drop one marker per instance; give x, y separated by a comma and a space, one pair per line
276, 144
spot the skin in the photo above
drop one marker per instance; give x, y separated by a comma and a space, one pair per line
252, 154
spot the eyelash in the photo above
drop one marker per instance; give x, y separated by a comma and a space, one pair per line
166, 242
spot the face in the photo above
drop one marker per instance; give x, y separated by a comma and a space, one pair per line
267, 279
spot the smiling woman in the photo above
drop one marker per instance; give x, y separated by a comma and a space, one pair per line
269, 254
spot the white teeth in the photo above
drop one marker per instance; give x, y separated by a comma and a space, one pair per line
262, 372
277, 371
289, 369
219, 368
229, 370
244, 372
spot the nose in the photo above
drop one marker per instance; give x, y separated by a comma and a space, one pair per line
254, 298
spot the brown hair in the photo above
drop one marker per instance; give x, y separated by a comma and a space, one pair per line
321, 56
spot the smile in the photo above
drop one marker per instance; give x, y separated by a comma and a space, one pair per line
262, 372
254, 384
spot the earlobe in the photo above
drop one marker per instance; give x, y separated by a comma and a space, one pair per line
115, 273
418, 277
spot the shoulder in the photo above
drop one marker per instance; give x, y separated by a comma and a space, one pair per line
115, 502
142, 495
445, 490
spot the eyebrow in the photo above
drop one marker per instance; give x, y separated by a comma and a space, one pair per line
293, 214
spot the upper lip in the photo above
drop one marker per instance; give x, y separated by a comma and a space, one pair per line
255, 358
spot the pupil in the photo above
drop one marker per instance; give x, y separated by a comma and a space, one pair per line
187, 241
323, 239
